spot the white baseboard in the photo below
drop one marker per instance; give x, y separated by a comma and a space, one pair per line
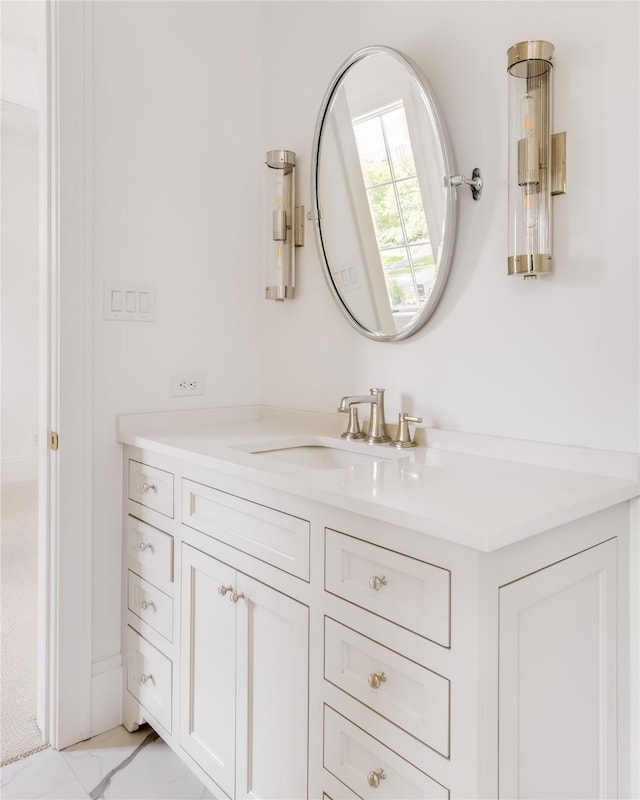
106, 694
20, 469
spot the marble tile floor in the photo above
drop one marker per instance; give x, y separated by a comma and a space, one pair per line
116, 765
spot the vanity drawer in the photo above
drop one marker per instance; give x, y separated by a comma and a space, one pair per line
272, 536
150, 552
407, 694
151, 605
359, 760
149, 677
151, 487
404, 590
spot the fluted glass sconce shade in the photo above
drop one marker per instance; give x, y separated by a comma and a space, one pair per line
287, 228
530, 158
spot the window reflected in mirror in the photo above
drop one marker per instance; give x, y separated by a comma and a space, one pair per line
397, 209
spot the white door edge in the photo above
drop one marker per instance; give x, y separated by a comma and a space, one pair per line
65, 568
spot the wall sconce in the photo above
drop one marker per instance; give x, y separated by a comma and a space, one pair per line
537, 162
288, 226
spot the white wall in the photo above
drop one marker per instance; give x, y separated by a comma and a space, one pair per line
19, 257
176, 154
19, 29
188, 97
19, 294
550, 360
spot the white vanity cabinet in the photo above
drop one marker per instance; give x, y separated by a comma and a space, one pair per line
244, 680
216, 627
286, 648
449, 673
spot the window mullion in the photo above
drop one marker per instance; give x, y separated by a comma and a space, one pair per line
394, 183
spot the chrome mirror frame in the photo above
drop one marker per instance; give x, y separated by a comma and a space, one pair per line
448, 187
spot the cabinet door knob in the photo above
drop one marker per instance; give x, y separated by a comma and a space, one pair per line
235, 596
144, 546
147, 487
144, 678
374, 778
376, 678
148, 604
376, 581
222, 590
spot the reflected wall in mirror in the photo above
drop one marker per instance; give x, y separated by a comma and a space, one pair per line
383, 206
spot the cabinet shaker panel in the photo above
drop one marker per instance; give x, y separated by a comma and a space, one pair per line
404, 692
151, 487
265, 533
151, 605
557, 700
149, 677
369, 768
150, 552
273, 696
404, 590
208, 667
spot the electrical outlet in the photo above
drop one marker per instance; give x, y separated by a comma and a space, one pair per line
187, 384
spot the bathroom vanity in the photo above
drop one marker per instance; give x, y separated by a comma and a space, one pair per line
310, 617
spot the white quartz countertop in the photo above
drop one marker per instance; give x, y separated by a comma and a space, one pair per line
478, 491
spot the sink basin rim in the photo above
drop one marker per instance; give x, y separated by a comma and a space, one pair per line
331, 453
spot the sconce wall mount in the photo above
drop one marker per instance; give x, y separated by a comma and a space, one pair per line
287, 227
475, 182
537, 159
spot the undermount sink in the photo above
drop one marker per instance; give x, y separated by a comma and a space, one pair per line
321, 455
318, 456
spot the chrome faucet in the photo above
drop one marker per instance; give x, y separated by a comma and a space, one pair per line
377, 431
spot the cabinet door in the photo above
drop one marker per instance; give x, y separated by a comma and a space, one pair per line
557, 696
272, 704
208, 664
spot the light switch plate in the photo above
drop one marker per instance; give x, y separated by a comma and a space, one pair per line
130, 302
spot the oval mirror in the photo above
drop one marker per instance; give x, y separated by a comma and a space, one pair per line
385, 216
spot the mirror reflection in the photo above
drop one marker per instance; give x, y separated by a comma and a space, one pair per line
385, 216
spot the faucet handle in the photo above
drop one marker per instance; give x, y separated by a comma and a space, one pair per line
353, 426
403, 436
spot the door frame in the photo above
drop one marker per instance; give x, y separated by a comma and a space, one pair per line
65, 304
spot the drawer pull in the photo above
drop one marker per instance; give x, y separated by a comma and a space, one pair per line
234, 596
374, 778
148, 604
145, 546
144, 678
147, 487
376, 678
377, 581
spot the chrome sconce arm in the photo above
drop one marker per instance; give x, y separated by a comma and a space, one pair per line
288, 227
475, 182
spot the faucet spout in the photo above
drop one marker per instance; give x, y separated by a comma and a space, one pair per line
351, 400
